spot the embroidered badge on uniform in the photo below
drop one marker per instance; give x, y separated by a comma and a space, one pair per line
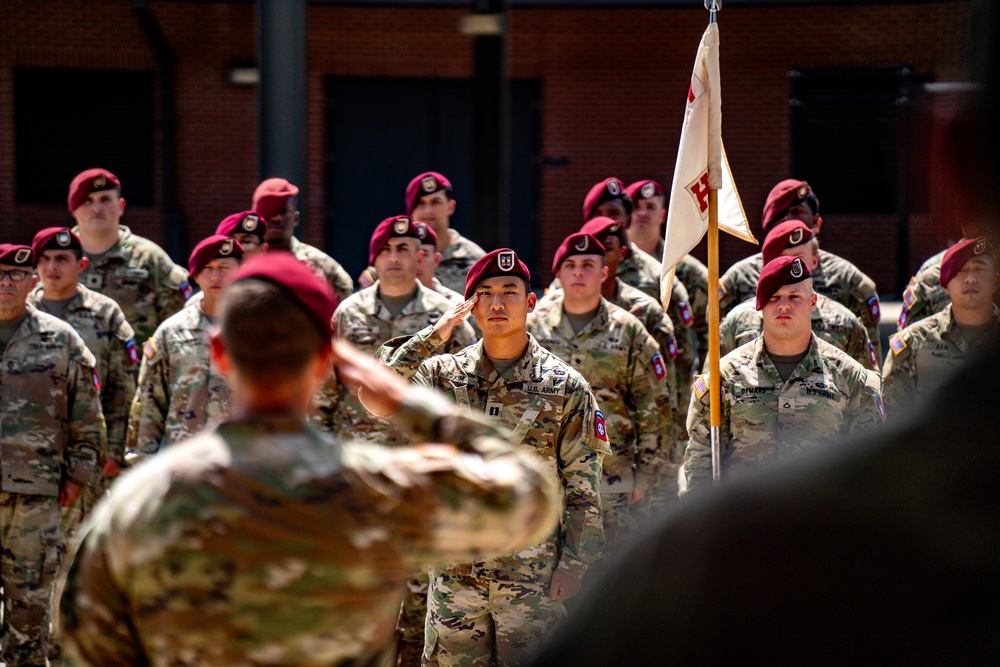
97, 380
897, 343
658, 368
700, 386
672, 347
904, 314
873, 309
686, 313
880, 405
871, 353
133, 351
149, 348
186, 290
909, 298
599, 428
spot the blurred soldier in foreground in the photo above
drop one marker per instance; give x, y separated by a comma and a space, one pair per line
53, 440
180, 392
784, 392
277, 202
496, 611
923, 354
263, 542
130, 269
101, 324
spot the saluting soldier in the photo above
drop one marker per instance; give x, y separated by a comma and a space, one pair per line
264, 542
497, 611
59, 262
835, 277
180, 392
130, 269
924, 354
831, 321
277, 202
782, 393
53, 440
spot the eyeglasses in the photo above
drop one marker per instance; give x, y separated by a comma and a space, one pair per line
17, 275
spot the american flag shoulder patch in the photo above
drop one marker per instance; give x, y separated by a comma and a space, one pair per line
149, 348
700, 386
897, 343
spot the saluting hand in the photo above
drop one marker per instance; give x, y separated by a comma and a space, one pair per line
455, 316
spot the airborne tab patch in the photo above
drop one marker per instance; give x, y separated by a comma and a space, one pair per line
186, 290
600, 430
873, 308
686, 314
133, 352
897, 343
658, 368
672, 347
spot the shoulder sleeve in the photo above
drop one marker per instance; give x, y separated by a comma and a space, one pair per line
88, 435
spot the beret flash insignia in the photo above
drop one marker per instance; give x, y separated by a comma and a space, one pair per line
803, 190
401, 225
581, 245
980, 247
250, 223
100, 182
795, 268
795, 237
505, 260
22, 256
613, 187
226, 248
429, 184
647, 190
62, 238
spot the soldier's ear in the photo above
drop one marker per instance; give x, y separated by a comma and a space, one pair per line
532, 299
451, 207
83, 263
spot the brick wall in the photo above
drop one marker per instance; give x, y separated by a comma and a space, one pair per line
613, 96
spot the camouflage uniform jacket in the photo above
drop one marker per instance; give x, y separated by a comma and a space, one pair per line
367, 323
623, 366
764, 419
924, 295
142, 279
179, 391
326, 267
450, 294
109, 337
456, 260
552, 413
694, 276
835, 277
831, 321
265, 542
51, 425
924, 354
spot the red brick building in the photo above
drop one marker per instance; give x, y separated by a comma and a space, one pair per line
870, 84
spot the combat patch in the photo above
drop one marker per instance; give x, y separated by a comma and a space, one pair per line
686, 314
873, 308
658, 368
186, 290
600, 430
133, 351
672, 347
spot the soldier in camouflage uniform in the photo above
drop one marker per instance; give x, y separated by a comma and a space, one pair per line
429, 263
830, 320
496, 611
645, 230
263, 541
59, 262
180, 392
835, 277
396, 305
925, 353
624, 367
276, 201
132, 270
783, 393
53, 439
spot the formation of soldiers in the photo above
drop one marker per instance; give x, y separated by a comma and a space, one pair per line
108, 358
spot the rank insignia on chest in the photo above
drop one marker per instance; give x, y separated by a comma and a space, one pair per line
133, 351
700, 386
897, 343
873, 308
658, 368
686, 314
871, 354
600, 430
186, 290
672, 347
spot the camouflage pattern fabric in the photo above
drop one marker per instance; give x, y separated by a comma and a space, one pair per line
694, 276
456, 260
835, 278
831, 321
924, 354
266, 542
141, 278
450, 294
924, 296
553, 409
179, 391
764, 419
366, 322
326, 267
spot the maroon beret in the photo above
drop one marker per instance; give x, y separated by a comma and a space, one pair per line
396, 226
783, 195
284, 269
577, 244
426, 183
214, 247
244, 222
271, 196
644, 189
960, 253
502, 262
55, 238
606, 190
778, 273
788, 234
12, 254
427, 235
601, 228
92, 180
